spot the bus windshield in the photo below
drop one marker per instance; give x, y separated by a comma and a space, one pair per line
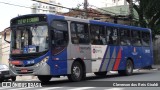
29, 39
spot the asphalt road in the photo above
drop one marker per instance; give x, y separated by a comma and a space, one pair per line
92, 82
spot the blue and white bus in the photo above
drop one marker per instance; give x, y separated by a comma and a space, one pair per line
47, 46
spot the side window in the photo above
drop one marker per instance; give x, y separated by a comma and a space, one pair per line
79, 33
136, 38
60, 33
98, 35
61, 38
18, 39
124, 37
112, 34
145, 38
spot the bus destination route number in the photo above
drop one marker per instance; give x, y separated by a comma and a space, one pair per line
28, 20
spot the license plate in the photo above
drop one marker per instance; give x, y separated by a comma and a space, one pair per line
24, 70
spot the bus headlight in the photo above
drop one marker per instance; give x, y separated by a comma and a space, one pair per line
11, 65
43, 61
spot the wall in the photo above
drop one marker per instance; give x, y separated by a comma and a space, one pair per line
0, 49
156, 50
5, 49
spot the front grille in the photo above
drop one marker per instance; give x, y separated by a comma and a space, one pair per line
23, 57
28, 72
5, 72
25, 65
28, 56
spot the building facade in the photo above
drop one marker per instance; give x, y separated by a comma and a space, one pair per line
4, 47
40, 8
0, 49
111, 3
96, 14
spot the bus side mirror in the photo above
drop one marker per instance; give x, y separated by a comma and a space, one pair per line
5, 35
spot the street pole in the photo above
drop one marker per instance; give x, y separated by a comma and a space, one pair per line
130, 11
85, 8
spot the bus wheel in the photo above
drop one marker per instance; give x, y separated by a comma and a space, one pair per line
13, 78
76, 72
100, 73
129, 69
44, 78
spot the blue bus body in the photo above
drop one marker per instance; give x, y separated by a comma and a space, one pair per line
108, 57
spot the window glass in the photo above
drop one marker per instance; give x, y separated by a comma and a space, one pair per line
60, 25
61, 38
60, 33
80, 28
124, 37
112, 34
98, 36
26, 38
145, 38
79, 33
39, 37
136, 38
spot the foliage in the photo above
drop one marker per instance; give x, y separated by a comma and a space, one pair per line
149, 14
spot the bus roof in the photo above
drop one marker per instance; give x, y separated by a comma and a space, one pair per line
102, 23
52, 16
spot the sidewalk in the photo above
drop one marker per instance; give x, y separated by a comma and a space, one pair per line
26, 78
156, 67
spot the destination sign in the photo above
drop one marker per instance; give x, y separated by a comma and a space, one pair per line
28, 20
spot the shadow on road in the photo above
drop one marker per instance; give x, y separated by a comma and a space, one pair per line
88, 81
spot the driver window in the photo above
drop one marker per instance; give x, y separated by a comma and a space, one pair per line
60, 33
61, 38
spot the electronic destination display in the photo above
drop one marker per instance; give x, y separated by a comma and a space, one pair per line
28, 20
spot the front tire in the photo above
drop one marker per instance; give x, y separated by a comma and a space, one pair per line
77, 73
44, 78
129, 69
1, 80
13, 78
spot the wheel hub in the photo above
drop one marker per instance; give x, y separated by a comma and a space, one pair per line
76, 71
129, 67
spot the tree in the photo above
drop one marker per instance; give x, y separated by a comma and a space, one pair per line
149, 14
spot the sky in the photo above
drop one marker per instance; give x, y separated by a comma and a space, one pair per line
8, 11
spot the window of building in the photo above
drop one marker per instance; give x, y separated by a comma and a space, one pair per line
79, 33
98, 36
136, 38
124, 37
145, 38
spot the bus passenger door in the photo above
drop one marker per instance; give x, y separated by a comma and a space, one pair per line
146, 49
97, 54
137, 56
98, 47
59, 42
137, 48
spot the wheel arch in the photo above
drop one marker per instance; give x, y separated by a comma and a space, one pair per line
129, 58
70, 64
82, 70
81, 62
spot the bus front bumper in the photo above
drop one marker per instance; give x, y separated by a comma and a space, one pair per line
43, 69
